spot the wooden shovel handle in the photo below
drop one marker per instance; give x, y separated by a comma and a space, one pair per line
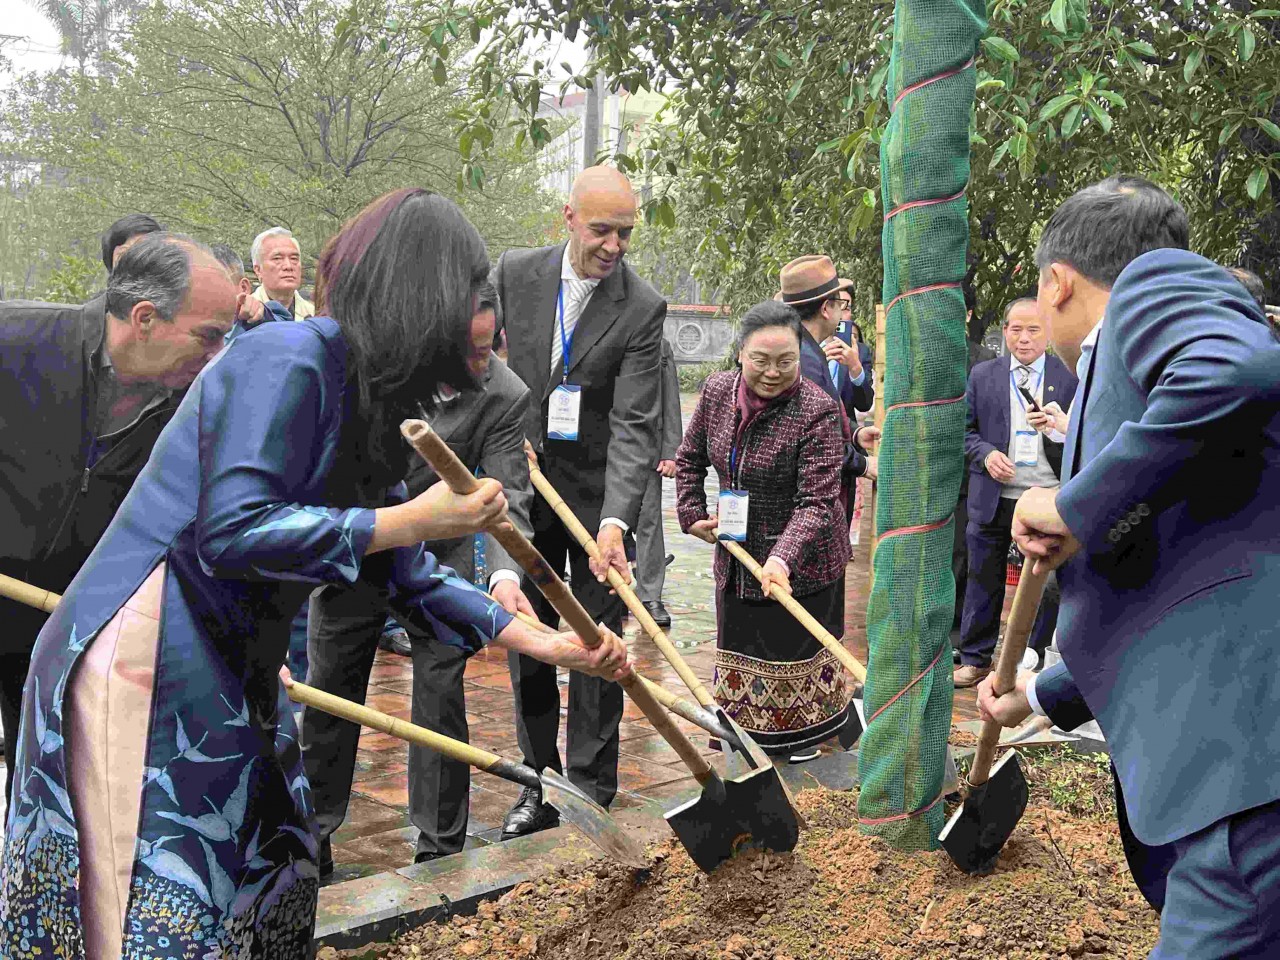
402, 729
453, 472
22, 592
1022, 618
621, 586
810, 623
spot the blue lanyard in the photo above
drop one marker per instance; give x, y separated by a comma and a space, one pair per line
733, 465
1014, 385
566, 343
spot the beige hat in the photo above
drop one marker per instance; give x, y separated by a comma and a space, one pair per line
806, 279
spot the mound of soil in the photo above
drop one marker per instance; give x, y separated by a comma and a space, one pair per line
1061, 889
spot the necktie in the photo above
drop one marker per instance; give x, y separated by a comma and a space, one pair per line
1024, 376
574, 293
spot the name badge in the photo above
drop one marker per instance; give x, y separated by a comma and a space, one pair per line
733, 515
562, 412
1026, 448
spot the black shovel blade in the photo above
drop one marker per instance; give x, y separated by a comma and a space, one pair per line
852, 730
592, 819
979, 829
752, 810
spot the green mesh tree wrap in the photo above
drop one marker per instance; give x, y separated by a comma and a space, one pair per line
924, 169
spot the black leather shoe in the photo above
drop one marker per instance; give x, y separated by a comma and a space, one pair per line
326, 859
425, 856
659, 613
396, 641
529, 815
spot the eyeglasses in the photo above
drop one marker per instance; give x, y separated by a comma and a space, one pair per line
845, 305
761, 364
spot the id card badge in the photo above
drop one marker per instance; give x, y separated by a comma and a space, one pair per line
733, 515
1026, 448
562, 412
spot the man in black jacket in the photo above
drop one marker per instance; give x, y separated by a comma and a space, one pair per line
84, 393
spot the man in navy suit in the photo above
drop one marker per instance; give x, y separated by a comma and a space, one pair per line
1006, 456
1166, 533
849, 360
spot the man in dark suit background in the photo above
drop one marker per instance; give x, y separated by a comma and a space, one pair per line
485, 428
849, 360
651, 546
1006, 456
1166, 535
585, 332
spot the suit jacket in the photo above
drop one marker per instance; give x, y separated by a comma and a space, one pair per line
860, 397
672, 426
1168, 617
616, 360
54, 505
485, 428
789, 463
813, 367
987, 427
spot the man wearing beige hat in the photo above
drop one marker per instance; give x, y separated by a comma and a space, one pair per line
811, 286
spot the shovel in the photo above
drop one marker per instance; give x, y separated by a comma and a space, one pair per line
751, 810
575, 806
739, 740
979, 829
852, 729
579, 809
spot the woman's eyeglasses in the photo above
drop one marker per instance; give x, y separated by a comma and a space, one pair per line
762, 364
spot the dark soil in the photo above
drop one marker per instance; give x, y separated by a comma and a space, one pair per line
1061, 889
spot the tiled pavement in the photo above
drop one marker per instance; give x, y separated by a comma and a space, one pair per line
377, 835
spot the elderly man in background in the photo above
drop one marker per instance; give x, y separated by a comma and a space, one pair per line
84, 393
123, 234
277, 260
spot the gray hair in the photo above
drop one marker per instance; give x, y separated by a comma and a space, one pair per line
255, 251
225, 255
158, 269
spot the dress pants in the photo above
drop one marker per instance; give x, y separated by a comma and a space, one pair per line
984, 592
14, 666
595, 705
342, 643
651, 545
1223, 893
960, 557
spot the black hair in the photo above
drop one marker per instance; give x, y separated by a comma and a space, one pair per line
124, 230
770, 313
158, 269
1004, 319
1251, 282
226, 255
487, 299
1101, 229
807, 311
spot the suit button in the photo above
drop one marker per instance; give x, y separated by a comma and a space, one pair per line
1113, 536
1144, 510
1134, 518
1123, 526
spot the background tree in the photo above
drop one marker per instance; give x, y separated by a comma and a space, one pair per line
768, 146
85, 26
228, 116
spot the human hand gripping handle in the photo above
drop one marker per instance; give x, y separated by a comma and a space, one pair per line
450, 469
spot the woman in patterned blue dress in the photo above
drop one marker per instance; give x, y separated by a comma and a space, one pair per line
152, 814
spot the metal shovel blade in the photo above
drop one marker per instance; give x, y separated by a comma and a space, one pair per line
752, 810
592, 819
979, 829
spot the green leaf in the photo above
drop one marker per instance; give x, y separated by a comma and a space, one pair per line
438, 73
999, 155
1265, 15
808, 49
1142, 48
1194, 59
1114, 99
1256, 183
1056, 106
1018, 146
827, 147
1100, 116
795, 90
452, 27
991, 83
1071, 122
1228, 132
1058, 15
1245, 43
783, 60
1001, 49
1269, 128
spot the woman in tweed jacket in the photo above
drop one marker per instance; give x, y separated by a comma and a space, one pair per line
771, 676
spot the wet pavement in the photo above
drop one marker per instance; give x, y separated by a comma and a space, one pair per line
377, 835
